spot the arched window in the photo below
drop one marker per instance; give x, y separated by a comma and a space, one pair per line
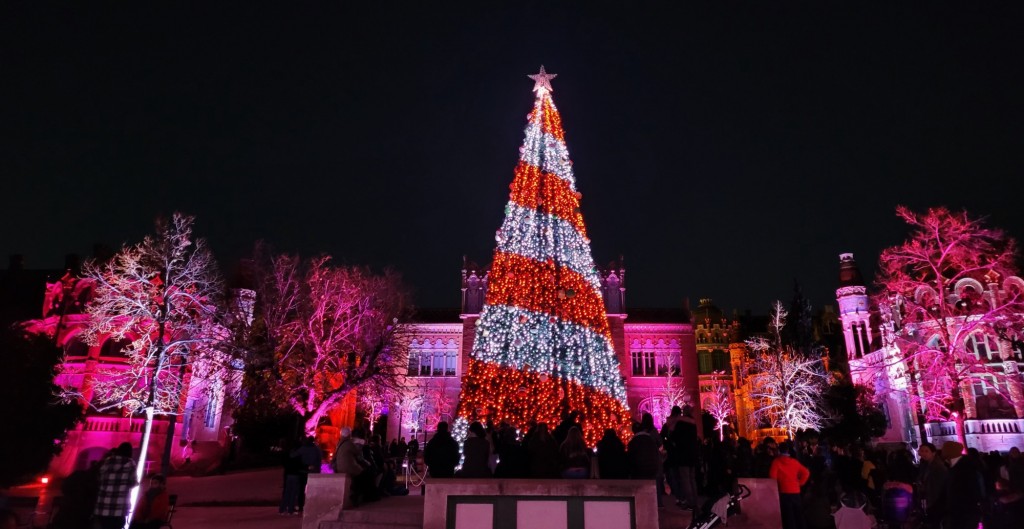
855, 332
114, 348
983, 347
433, 358
658, 407
77, 348
720, 361
704, 362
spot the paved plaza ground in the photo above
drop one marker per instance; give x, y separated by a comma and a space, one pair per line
249, 499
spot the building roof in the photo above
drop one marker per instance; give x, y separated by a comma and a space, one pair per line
849, 274
707, 313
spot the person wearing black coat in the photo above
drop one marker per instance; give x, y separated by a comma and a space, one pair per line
683, 457
643, 457
513, 462
441, 454
476, 453
611, 457
569, 421
543, 453
965, 488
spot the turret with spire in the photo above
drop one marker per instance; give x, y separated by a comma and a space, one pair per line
854, 310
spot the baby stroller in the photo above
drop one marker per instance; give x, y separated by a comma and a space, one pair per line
718, 509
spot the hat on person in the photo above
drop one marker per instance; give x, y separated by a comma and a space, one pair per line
951, 450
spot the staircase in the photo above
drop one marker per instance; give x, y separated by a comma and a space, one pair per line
401, 512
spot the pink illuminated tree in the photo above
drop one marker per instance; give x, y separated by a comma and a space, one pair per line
719, 405
941, 294
438, 404
162, 297
786, 388
324, 330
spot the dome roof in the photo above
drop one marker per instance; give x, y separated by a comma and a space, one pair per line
707, 313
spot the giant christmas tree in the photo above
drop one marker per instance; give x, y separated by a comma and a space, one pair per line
543, 346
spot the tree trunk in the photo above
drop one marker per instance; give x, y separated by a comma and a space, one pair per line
959, 414
961, 430
172, 422
140, 467
310, 424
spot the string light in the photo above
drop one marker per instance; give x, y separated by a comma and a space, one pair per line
542, 343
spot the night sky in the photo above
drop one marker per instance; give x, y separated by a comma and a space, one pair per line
725, 149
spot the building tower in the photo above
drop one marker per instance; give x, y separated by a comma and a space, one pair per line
853, 308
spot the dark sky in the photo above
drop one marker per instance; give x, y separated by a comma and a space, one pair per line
724, 148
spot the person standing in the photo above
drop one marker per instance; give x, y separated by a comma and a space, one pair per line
154, 505
542, 450
477, 453
670, 469
511, 460
931, 484
402, 449
684, 459
790, 475
290, 487
965, 488
611, 457
1013, 470
117, 477
413, 450
441, 454
78, 498
569, 420
644, 459
574, 456
311, 457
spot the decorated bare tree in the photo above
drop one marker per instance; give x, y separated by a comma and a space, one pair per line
374, 400
951, 304
438, 405
719, 405
324, 330
786, 387
662, 398
162, 296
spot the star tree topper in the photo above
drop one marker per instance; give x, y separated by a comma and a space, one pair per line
542, 80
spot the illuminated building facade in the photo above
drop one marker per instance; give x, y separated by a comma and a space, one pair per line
656, 350
994, 422
202, 430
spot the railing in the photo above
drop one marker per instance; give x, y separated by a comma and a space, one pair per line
121, 424
977, 427
994, 426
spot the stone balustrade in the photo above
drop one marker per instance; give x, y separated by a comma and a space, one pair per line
983, 434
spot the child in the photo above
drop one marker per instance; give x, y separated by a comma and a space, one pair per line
153, 505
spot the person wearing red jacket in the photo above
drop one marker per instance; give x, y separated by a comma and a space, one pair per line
790, 475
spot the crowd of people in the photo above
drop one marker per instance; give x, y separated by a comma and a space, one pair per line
822, 484
100, 495
666, 456
848, 486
